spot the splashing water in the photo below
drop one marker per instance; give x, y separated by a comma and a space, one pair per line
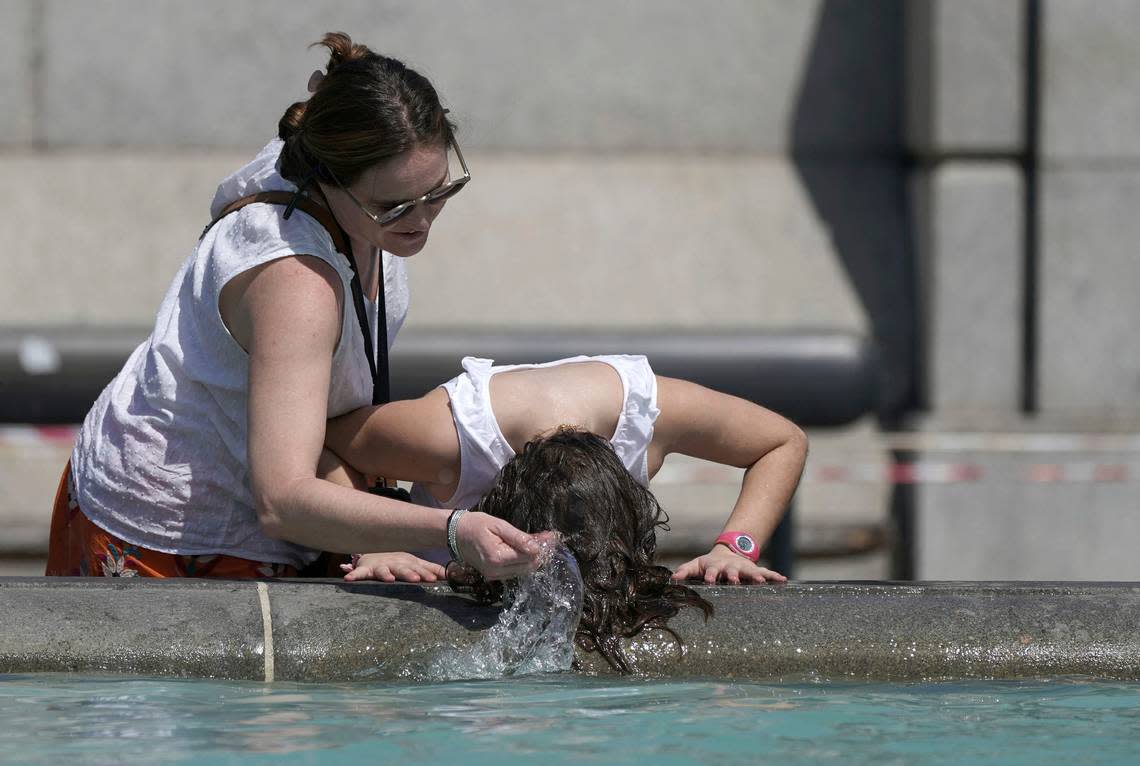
535, 631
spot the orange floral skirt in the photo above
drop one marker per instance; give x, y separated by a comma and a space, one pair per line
79, 548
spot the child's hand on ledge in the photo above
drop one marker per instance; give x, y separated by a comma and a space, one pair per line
722, 565
392, 567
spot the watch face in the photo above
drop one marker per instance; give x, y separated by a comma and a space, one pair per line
744, 543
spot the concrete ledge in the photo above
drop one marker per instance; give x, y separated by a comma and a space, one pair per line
326, 630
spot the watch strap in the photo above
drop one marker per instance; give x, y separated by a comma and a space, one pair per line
740, 543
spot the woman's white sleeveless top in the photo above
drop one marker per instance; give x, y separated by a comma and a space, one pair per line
161, 459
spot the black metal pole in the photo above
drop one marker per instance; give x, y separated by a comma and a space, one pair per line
781, 548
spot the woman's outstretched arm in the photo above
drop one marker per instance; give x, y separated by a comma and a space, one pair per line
286, 315
706, 424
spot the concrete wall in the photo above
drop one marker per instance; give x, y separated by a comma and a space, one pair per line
519, 76
652, 165
971, 91
883, 167
654, 142
968, 215
592, 76
1090, 190
1021, 120
965, 76
965, 129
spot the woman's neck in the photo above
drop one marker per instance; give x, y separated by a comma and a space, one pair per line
365, 255
367, 259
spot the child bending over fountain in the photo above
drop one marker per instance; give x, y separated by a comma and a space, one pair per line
521, 442
454, 441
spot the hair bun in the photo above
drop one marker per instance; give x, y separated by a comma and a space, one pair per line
364, 109
290, 122
342, 50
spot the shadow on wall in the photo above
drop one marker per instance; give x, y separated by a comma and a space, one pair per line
847, 146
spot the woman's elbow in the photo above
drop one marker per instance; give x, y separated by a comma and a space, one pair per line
271, 508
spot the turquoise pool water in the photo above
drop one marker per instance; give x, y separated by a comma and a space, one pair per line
60, 720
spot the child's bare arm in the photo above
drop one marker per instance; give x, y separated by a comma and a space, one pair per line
703, 423
411, 440
364, 431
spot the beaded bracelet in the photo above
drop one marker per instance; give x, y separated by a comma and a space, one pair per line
452, 530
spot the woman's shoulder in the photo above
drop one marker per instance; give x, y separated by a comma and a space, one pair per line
257, 175
259, 233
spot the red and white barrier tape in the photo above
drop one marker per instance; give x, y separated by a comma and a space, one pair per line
922, 472
37, 436
22, 439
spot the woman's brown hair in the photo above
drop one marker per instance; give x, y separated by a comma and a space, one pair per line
573, 482
366, 109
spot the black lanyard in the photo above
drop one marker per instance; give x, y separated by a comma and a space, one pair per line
377, 355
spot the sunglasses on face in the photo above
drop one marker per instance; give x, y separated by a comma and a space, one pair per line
396, 212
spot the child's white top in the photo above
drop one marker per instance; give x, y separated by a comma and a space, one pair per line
161, 458
483, 450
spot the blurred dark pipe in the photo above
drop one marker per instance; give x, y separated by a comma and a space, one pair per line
815, 378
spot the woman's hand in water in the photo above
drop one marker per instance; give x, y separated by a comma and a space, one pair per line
390, 567
722, 565
498, 550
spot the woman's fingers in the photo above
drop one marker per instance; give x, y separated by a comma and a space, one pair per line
547, 539
521, 545
494, 547
509, 568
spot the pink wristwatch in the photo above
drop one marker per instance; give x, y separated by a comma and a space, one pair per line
742, 543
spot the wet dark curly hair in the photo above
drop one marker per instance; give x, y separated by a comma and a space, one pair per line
573, 482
